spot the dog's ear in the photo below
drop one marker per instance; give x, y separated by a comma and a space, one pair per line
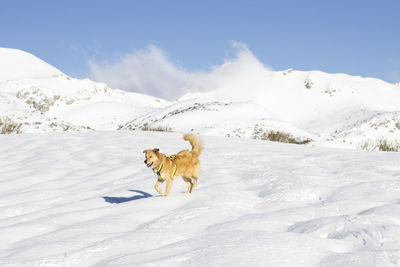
156, 150
144, 151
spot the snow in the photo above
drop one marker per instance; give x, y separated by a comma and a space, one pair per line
17, 64
87, 199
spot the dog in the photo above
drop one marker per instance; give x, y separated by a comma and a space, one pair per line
185, 164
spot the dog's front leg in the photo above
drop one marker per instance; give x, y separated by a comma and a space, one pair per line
168, 187
156, 186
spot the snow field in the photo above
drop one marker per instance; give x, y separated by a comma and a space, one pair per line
87, 199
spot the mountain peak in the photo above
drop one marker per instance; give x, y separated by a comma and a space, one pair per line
18, 64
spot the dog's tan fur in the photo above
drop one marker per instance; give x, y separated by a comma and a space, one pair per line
187, 165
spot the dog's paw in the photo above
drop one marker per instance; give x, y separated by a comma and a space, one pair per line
158, 190
164, 195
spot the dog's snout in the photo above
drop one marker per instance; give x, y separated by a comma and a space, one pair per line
145, 161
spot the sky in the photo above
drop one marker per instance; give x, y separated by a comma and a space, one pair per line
88, 38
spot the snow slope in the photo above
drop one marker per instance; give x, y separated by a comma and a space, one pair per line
16, 64
87, 199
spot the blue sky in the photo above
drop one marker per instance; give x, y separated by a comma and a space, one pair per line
355, 37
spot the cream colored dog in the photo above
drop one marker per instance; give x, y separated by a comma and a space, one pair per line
185, 164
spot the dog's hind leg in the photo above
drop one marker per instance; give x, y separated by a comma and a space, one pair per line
189, 182
194, 183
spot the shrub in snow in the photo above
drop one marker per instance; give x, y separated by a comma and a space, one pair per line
7, 126
147, 127
386, 146
278, 136
381, 145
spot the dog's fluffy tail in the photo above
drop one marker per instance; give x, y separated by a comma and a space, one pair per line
195, 141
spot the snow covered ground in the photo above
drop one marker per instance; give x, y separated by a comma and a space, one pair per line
87, 199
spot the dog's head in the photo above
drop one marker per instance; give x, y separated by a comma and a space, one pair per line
152, 157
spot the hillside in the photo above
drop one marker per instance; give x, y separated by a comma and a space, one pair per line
38, 98
351, 111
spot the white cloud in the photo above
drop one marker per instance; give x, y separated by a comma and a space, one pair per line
149, 71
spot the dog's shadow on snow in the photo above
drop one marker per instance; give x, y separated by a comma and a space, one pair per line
118, 200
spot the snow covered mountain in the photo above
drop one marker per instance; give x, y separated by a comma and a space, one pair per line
307, 105
36, 97
241, 98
